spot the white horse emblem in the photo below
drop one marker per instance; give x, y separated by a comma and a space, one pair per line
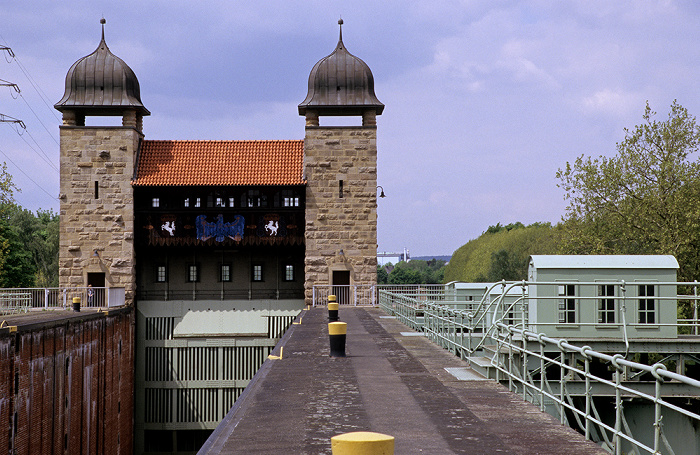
170, 227
271, 227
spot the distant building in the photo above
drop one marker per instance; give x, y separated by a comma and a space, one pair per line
218, 244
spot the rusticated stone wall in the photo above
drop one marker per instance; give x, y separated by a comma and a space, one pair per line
97, 216
336, 222
67, 383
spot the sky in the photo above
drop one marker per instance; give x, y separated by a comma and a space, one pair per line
485, 99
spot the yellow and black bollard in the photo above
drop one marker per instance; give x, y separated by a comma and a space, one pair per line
332, 309
337, 332
76, 303
362, 443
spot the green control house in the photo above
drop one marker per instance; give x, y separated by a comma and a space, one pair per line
603, 296
217, 244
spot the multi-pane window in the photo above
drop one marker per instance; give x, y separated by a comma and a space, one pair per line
161, 274
225, 272
288, 272
647, 306
192, 272
606, 306
257, 272
220, 202
567, 305
198, 202
230, 202
291, 202
187, 202
253, 198
155, 202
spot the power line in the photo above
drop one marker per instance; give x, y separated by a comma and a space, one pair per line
7, 119
34, 85
45, 157
25, 174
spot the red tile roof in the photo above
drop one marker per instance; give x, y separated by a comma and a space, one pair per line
194, 163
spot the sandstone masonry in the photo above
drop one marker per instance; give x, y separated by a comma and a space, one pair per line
97, 221
341, 204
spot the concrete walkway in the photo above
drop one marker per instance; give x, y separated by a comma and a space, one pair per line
391, 382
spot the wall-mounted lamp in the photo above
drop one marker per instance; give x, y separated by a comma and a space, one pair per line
382, 195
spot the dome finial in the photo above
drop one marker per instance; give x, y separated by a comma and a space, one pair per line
340, 23
103, 21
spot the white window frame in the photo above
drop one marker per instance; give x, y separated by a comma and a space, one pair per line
605, 314
565, 301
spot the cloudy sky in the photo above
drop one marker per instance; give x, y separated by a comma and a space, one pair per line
485, 100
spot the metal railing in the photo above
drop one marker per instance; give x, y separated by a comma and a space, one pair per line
366, 295
355, 295
17, 300
563, 378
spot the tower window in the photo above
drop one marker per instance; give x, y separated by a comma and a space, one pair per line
288, 272
97, 189
161, 274
193, 273
340, 189
231, 202
225, 272
198, 202
257, 272
155, 202
187, 202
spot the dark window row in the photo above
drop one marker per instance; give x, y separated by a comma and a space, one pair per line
193, 273
222, 199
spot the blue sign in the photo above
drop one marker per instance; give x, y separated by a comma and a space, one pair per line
218, 229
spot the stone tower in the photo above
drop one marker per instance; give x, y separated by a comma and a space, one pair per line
97, 165
341, 173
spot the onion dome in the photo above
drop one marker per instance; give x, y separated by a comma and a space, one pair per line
101, 84
341, 84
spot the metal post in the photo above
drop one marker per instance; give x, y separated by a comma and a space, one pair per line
657, 417
46, 298
617, 441
562, 376
524, 362
589, 397
542, 373
510, 360
695, 308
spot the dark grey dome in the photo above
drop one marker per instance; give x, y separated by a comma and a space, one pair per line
101, 84
341, 84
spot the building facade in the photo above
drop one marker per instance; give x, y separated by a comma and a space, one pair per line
218, 244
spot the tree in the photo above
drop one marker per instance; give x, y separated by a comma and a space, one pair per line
644, 199
501, 252
403, 274
382, 276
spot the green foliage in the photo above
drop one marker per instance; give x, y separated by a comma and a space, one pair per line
501, 252
644, 199
382, 276
414, 272
28, 247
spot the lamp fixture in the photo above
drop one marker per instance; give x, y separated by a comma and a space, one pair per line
382, 195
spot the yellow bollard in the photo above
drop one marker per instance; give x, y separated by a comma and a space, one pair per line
362, 443
337, 331
76, 303
332, 309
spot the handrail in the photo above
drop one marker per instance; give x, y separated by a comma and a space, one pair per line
454, 329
